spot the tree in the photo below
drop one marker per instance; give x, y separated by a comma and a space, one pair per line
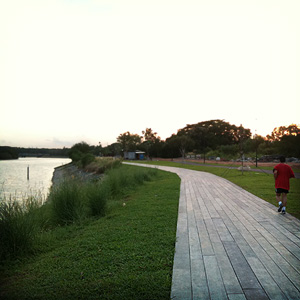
279, 132
178, 145
149, 135
81, 154
170, 147
129, 141
252, 145
289, 145
215, 133
78, 150
202, 138
185, 143
96, 150
150, 139
83, 147
114, 149
285, 140
7, 152
209, 135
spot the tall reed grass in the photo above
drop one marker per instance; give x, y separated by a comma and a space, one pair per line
97, 196
72, 201
118, 180
66, 202
19, 226
101, 164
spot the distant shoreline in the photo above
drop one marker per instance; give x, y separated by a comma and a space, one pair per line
8, 153
1, 159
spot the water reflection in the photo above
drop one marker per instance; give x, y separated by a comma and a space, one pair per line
13, 176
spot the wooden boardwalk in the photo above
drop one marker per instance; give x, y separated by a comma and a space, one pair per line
231, 244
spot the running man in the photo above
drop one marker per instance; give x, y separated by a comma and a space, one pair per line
282, 174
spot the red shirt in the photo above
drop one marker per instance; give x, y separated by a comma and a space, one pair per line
284, 173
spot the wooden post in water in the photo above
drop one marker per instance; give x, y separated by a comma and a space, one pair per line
28, 173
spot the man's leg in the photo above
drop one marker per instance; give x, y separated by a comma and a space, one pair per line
280, 203
284, 202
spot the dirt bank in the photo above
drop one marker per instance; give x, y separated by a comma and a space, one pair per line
71, 171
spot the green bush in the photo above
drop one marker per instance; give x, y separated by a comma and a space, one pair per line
97, 195
19, 226
87, 159
75, 155
67, 203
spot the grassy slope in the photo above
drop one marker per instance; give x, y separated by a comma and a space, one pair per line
126, 255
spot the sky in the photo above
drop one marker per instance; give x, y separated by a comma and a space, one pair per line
90, 70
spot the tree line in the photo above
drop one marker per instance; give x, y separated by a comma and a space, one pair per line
7, 152
214, 138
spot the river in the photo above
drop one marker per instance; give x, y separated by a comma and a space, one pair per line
13, 177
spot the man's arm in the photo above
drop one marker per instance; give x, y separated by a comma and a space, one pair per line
292, 174
275, 173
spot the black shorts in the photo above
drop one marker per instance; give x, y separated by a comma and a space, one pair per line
280, 191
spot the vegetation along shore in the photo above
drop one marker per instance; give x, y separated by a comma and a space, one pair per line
111, 238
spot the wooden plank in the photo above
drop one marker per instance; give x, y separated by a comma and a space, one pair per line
243, 236
230, 279
282, 239
273, 261
205, 242
244, 273
198, 276
236, 297
181, 278
181, 285
212, 232
255, 294
215, 282
265, 279
222, 230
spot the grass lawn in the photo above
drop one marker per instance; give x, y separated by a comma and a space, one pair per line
257, 183
128, 254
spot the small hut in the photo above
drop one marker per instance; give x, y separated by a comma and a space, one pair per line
134, 155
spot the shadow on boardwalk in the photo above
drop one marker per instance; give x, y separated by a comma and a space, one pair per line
232, 244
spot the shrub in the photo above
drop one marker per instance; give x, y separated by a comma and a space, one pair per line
87, 159
75, 155
67, 204
97, 195
19, 226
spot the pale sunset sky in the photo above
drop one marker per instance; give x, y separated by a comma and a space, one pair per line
89, 70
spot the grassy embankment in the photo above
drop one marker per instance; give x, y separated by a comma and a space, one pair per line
126, 254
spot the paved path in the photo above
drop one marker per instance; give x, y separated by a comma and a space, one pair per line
232, 244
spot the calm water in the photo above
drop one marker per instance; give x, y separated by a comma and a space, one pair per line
13, 176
